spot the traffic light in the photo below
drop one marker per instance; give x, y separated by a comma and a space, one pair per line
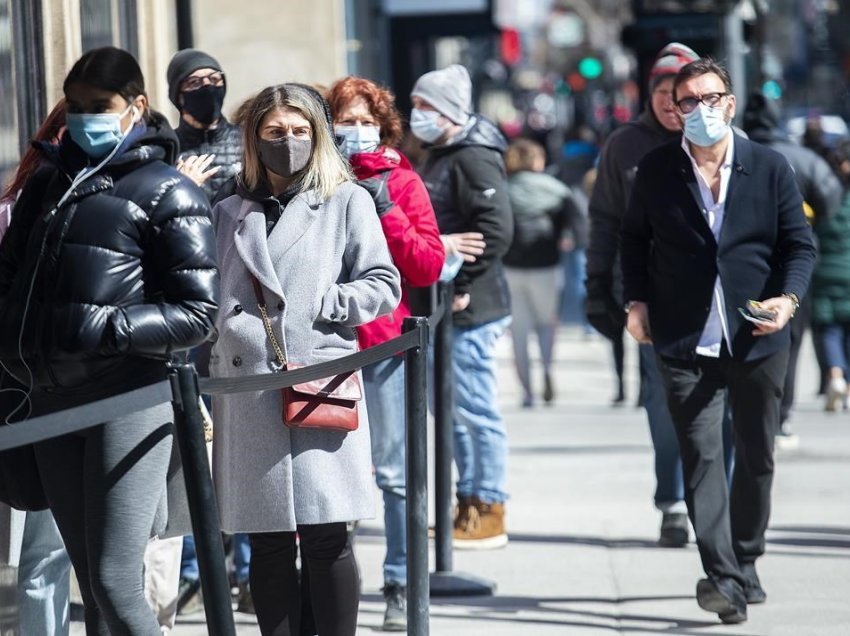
590, 67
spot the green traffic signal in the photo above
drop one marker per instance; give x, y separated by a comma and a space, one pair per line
590, 67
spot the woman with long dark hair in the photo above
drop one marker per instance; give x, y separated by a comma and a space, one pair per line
107, 270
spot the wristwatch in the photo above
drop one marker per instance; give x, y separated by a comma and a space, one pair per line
795, 301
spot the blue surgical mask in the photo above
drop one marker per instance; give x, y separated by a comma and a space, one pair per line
97, 134
357, 139
425, 125
705, 126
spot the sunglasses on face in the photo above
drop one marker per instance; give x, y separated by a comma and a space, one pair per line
194, 83
688, 104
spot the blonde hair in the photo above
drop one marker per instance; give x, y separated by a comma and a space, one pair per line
326, 169
523, 154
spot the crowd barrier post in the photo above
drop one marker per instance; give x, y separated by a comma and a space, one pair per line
416, 406
445, 582
203, 508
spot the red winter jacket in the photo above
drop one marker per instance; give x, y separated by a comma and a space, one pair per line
411, 231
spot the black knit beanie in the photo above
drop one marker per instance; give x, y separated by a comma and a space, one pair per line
183, 64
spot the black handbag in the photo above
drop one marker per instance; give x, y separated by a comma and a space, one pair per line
20, 482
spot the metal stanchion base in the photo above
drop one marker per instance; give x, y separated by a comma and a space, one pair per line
460, 584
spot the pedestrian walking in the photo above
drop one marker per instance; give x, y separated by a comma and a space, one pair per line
657, 125
106, 271
465, 177
545, 217
716, 221
830, 291
311, 241
365, 117
823, 192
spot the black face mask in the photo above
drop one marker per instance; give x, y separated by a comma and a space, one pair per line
204, 104
286, 156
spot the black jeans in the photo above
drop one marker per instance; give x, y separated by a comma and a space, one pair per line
729, 524
334, 580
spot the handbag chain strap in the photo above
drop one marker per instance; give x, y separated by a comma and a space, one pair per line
264, 314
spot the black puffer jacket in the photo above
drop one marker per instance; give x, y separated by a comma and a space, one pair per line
224, 141
119, 277
469, 191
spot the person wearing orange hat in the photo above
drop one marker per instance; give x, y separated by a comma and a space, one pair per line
624, 148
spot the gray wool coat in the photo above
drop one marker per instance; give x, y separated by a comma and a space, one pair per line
325, 268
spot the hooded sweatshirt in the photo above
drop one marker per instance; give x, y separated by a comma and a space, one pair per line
543, 210
468, 186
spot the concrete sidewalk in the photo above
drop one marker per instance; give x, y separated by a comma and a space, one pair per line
582, 557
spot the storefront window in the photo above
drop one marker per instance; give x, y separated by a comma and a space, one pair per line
96, 24
8, 112
109, 23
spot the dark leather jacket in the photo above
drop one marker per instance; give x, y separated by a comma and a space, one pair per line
115, 280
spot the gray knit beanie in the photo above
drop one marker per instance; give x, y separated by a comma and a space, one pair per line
448, 90
182, 65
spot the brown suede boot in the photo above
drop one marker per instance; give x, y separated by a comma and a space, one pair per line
464, 504
485, 528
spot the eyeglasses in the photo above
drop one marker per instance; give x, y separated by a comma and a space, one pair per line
215, 78
688, 104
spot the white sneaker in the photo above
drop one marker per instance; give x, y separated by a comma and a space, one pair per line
835, 394
786, 440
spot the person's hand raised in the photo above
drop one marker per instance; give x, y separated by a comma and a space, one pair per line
197, 167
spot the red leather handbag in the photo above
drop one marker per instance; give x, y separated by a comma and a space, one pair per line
326, 403
329, 403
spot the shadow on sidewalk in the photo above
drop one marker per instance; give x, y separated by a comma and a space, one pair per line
506, 608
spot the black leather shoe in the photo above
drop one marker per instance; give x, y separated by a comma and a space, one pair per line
753, 590
674, 530
724, 597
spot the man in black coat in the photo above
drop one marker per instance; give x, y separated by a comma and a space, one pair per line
714, 222
210, 146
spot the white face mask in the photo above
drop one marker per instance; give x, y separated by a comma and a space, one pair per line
358, 139
425, 125
705, 126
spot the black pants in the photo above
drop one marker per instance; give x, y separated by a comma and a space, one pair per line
729, 524
334, 581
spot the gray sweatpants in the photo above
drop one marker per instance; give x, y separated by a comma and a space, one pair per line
105, 486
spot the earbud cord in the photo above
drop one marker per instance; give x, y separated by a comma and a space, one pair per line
79, 179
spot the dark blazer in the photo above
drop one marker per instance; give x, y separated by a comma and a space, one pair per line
670, 258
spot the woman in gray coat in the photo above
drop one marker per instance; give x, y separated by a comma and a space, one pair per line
313, 241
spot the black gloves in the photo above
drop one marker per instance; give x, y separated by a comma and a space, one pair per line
377, 187
603, 311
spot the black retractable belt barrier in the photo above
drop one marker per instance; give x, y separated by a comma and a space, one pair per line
416, 403
444, 582
202, 503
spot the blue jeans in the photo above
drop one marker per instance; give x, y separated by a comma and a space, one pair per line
835, 340
670, 485
241, 558
670, 488
43, 578
383, 383
480, 438
573, 264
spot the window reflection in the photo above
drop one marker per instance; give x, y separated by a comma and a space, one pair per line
96, 26
8, 111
